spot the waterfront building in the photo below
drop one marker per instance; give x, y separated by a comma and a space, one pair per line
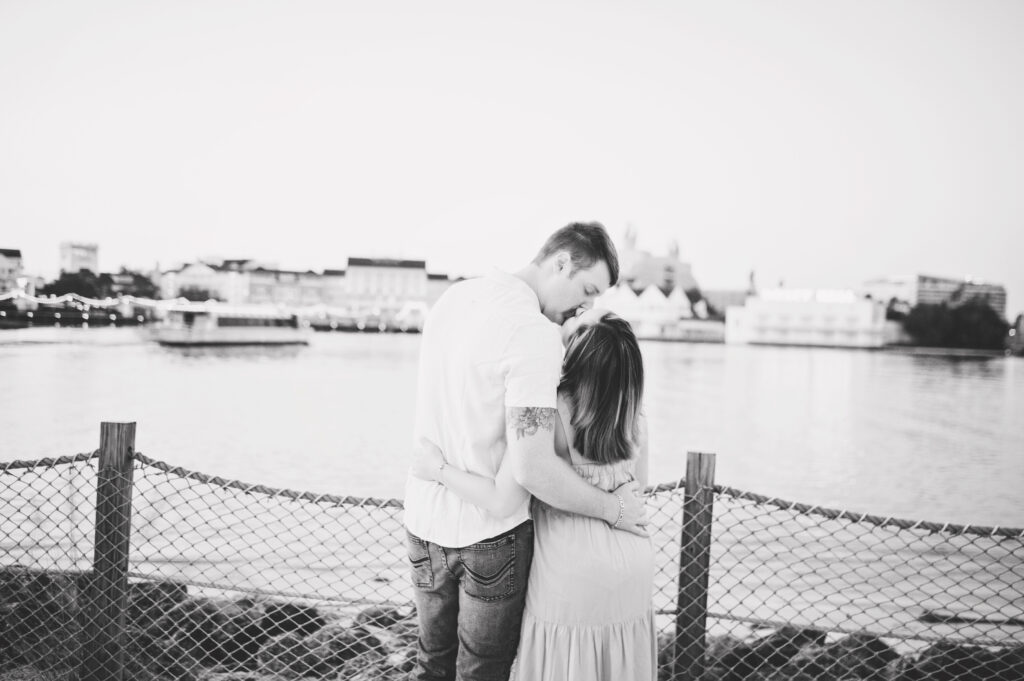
382, 286
222, 284
368, 287
659, 296
289, 288
77, 256
807, 317
334, 288
11, 268
436, 285
655, 316
720, 300
918, 289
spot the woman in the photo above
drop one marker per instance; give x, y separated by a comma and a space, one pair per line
588, 609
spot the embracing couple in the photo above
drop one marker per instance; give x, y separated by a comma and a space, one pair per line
526, 394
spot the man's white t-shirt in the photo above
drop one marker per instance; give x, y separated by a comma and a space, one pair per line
485, 346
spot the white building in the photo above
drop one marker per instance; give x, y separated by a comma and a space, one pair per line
229, 286
76, 256
368, 287
826, 318
10, 269
436, 285
290, 288
655, 316
384, 286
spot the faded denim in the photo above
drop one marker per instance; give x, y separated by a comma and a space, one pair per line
469, 602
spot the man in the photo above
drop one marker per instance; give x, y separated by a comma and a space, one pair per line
489, 368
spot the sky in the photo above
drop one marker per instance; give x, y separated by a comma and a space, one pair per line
819, 144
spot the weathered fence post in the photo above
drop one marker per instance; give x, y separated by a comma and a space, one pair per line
694, 561
104, 643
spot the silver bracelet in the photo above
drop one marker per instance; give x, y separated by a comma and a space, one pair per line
622, 509
440, 472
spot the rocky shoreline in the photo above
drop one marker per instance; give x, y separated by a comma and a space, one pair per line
175, 636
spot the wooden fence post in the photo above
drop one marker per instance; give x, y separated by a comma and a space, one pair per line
103, 647
694, 562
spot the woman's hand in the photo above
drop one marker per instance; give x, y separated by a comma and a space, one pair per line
427, 461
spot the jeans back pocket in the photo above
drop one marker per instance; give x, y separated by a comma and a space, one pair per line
490, 569
419, 558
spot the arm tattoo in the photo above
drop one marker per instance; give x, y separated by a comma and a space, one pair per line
526, 421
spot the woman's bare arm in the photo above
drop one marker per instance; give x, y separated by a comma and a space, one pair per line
500, 496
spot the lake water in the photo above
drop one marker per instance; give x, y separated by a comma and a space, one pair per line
913, 437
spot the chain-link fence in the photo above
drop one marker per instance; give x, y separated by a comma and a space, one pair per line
192, 577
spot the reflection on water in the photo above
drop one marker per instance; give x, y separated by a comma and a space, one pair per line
917, 437
236, 352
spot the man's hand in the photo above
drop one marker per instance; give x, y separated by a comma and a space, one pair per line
426, 461
634, 516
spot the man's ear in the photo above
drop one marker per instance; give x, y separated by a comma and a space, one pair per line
563, 262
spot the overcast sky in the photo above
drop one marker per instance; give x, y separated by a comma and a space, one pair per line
821, 143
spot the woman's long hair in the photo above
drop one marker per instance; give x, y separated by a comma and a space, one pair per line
603, 378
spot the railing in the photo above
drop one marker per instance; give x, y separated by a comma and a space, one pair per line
117, 566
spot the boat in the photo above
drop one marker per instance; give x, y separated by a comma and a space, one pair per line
217, 324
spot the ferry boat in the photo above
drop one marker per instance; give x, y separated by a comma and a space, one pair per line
209, 324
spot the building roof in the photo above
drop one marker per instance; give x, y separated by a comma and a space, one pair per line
10, 252
387, 262
234, 265
334, 273
437, 276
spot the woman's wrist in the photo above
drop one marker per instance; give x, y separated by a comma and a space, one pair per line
439, 475
618, 510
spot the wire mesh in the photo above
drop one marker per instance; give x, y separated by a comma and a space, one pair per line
230, 581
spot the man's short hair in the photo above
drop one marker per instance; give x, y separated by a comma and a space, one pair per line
587, 243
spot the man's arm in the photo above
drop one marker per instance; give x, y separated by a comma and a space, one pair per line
530, 432
500, 496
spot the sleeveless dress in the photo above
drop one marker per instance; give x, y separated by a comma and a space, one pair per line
589, 613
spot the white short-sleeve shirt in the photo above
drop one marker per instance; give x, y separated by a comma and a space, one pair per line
485, 346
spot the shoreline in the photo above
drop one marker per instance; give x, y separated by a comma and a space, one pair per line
67, 334
174, 631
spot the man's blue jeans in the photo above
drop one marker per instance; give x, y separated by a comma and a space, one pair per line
470, 603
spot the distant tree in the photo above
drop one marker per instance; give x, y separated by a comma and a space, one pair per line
897, 310
194, 293
972, 325
86, 283
977, 325
83, 282
141, 286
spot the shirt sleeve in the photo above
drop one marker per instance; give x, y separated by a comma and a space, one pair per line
533, 366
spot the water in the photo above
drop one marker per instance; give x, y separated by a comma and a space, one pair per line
924, 438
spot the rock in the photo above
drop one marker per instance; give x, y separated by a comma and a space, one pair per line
859, 656
347, 643
39, 612
232, 676
207, 631
198, 634
289, 655
720, 648
367, 666
380, 616
324, 653
403, 660
281, 618
149, 601
29, 673
735, 661
951, 662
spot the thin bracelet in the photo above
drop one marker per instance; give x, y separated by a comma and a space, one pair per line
440, 472
622, 509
